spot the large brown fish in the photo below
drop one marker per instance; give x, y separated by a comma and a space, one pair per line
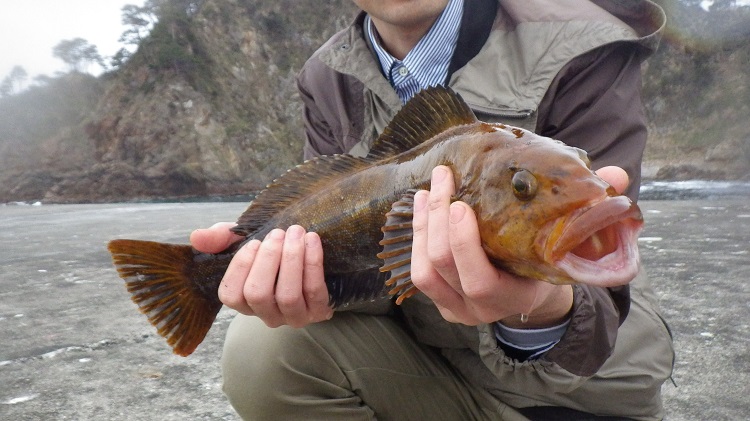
542, 213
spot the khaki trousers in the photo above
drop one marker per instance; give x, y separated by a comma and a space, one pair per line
352, 367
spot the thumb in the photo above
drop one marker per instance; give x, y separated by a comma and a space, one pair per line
615, 176
214, 239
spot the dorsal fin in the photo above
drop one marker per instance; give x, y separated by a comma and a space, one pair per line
429, 113
310, 176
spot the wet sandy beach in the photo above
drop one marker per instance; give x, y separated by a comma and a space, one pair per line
73, 346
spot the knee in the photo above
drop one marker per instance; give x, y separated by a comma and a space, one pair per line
250, 372
264, 370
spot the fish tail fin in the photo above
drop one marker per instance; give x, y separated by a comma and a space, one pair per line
175, 286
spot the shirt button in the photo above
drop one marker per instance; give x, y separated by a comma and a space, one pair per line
403, 71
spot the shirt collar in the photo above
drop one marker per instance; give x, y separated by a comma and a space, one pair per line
427, 63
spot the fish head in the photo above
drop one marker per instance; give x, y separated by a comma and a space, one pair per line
544, 214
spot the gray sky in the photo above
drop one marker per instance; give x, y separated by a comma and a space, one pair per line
29, 29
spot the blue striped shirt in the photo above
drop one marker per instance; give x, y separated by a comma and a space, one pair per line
427, 63
530, 343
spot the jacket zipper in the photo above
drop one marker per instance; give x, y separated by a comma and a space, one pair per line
509, 113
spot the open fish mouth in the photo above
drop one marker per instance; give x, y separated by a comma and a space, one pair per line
598, 245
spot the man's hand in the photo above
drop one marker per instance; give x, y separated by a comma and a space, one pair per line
279, 279
451, 268
615, 176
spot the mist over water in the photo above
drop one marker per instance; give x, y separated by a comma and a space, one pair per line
650, 190
695, 189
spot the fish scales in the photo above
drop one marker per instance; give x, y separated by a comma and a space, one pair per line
541, 211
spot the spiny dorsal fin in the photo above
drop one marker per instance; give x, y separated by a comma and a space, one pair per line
429, 113
298, 182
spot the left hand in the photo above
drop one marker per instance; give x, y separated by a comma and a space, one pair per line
280, 280
450, 267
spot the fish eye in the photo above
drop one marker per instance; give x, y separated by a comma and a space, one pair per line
524, 184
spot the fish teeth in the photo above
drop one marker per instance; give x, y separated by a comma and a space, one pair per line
597, 244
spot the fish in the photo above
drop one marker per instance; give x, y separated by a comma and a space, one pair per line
542, 213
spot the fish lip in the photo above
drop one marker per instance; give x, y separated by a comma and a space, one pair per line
624, 220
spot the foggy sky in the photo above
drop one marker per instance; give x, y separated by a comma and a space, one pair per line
39, 25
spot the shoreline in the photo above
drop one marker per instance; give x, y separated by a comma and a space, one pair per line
75, 347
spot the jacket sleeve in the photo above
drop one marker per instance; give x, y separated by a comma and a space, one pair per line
594, 103
331, 127
319, 139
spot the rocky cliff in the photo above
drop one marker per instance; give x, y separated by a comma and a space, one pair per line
697, 94
208, 106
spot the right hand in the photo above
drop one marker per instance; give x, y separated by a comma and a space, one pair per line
280, 279
450, 266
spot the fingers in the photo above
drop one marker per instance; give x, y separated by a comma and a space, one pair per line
490, 294
313, 280
289, 296
260, 287
479, 278
280, 280
231, 290
439, 252
214, 239
301, 292
615, 176
424, 275
421, 269
450, 266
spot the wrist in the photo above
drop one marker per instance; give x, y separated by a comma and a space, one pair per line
552, 312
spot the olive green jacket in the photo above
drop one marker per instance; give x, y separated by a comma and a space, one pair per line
568, 69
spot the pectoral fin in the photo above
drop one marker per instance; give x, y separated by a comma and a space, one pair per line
397, 242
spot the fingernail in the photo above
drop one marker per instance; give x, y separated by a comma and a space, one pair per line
438, 174
275, 234
420, 200
311, 239
295, 232
216, 225
457, 212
